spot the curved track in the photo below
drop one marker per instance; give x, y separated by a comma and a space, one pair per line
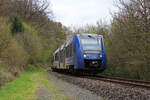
128, 82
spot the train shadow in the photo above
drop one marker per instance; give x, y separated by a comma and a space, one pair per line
75, 73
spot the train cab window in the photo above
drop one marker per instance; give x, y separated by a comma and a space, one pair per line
91, 43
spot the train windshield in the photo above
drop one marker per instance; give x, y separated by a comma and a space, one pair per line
91, 44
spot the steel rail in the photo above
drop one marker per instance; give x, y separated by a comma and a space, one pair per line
129, 82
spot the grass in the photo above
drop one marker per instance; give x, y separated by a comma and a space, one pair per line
26, 86
23, 88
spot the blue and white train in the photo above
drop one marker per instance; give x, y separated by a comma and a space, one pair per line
82, 53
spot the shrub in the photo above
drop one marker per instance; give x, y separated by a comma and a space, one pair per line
14, 56
31, 42
5, 37
5, 75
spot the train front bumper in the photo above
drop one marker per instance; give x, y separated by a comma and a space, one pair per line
93, 62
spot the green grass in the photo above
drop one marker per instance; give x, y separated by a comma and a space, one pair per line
23, 88
26, 86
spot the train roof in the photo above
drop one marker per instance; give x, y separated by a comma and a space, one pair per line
68, 42
62, 47
88, 34
56, 51
84, 35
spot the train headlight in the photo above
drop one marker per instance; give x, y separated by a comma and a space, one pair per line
84, 55
101, 56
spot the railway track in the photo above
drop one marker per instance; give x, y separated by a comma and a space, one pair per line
128, 82
122, 81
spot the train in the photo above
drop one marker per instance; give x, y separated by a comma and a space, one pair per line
82, 53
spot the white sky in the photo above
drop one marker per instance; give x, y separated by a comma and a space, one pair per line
81, 12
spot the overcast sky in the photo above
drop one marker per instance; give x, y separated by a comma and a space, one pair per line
81, 12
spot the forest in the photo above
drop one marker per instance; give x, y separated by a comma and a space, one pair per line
29, 35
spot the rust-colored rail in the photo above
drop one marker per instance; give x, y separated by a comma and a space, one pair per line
129, 82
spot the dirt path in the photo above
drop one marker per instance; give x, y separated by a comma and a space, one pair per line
47, 90
42, 93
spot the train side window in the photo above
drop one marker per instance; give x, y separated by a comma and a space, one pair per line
56, 57
66, 51
61, 56
70, 49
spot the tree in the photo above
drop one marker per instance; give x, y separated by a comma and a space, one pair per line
17, 26
130, 35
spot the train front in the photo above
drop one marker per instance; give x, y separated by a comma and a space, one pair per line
93, 50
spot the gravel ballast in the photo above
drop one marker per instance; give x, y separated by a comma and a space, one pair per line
107, 90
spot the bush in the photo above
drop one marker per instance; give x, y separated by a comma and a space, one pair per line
5, 37
33, 67
15, 56
5, 75
31, 42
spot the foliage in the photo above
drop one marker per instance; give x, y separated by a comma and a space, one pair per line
31, 43
17, 26
40, 35
12, 54
5, 38
37, 29
130, 36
